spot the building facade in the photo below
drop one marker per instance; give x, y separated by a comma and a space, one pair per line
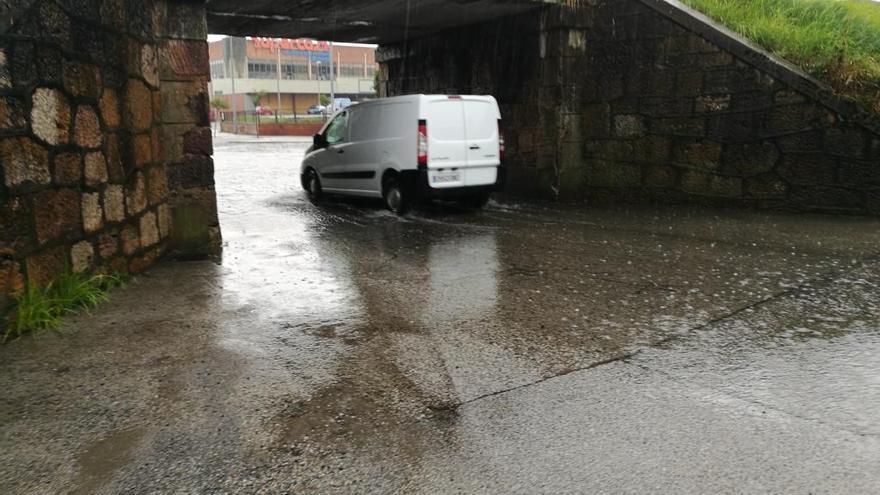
293, 73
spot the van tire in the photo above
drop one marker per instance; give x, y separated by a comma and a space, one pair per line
313, 186
393, 195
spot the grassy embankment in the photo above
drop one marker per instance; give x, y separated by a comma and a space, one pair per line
836, 41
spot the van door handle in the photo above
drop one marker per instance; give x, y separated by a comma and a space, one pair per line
474, 147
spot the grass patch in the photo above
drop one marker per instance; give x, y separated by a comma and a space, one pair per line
41, 308
836, 41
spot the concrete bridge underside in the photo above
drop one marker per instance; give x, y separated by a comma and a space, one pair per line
385, 21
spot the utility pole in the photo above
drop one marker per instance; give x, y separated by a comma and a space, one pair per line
278, 51
332, 80
232, 74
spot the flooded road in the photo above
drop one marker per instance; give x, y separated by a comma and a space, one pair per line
525, 348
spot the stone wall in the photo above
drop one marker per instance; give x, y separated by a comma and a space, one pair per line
640, 100
103, 137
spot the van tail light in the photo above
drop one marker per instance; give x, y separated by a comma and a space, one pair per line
500, 141
423, 143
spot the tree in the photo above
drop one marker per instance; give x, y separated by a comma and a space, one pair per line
258, 97
325, 100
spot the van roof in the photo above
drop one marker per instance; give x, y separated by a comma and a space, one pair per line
415, 97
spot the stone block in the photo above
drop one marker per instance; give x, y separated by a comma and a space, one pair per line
629, 126
803, 142
193, 172
95, 169
701, 155
108, 245
163, 214
93, 218
664, 107
140, 263
183, 59
138, 107
50, 116
81, 79
67, 169
859, 173
22, 70
109, 107
11, 278
185, 103
715, 103
136, 196
689, 83
734, 127
24, 162
848, 142
827, 197
54, 25
50, 65
112, 13
596, 120
807, 169
56, 213
660, 176
130, 239
198, 141
82, 256
678, 126
13, 115
765, 186
149, 68
750, 158
787, 97
613, 174
46, 266
793, 118
87, 128
115, 168
705, 184
5, 76
149, 229
157, 185
15, 225
114, 203
142, 151
186, 20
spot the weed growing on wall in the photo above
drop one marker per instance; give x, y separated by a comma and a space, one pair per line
42, 308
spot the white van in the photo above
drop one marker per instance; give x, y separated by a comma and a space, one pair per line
409, 147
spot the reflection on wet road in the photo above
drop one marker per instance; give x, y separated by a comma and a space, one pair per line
526, 348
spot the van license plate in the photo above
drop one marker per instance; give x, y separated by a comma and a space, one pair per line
442, 177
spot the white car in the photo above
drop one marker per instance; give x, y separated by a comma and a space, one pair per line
408, 147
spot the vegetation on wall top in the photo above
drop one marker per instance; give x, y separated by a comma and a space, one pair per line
836, 41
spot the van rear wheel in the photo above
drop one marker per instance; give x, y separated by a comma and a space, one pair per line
392, 193
313, 186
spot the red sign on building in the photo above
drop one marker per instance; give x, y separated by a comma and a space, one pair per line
289, 44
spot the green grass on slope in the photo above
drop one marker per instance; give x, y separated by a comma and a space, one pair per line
836, 41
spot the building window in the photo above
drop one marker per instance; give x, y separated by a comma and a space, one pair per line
218, 70
259, 69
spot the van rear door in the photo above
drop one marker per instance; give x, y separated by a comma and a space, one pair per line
446, 139
481, 129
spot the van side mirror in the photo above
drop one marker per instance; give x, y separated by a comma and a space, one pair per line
319, 141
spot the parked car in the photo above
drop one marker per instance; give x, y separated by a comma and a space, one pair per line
265, 111
409, 147
316, 109
340, 103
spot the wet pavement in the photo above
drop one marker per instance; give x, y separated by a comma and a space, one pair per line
526, 348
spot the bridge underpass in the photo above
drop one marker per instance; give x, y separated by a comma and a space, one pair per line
338, 349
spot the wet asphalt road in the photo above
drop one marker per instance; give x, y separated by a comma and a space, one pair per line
526, 348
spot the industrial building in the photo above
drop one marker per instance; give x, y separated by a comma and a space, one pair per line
292, 72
